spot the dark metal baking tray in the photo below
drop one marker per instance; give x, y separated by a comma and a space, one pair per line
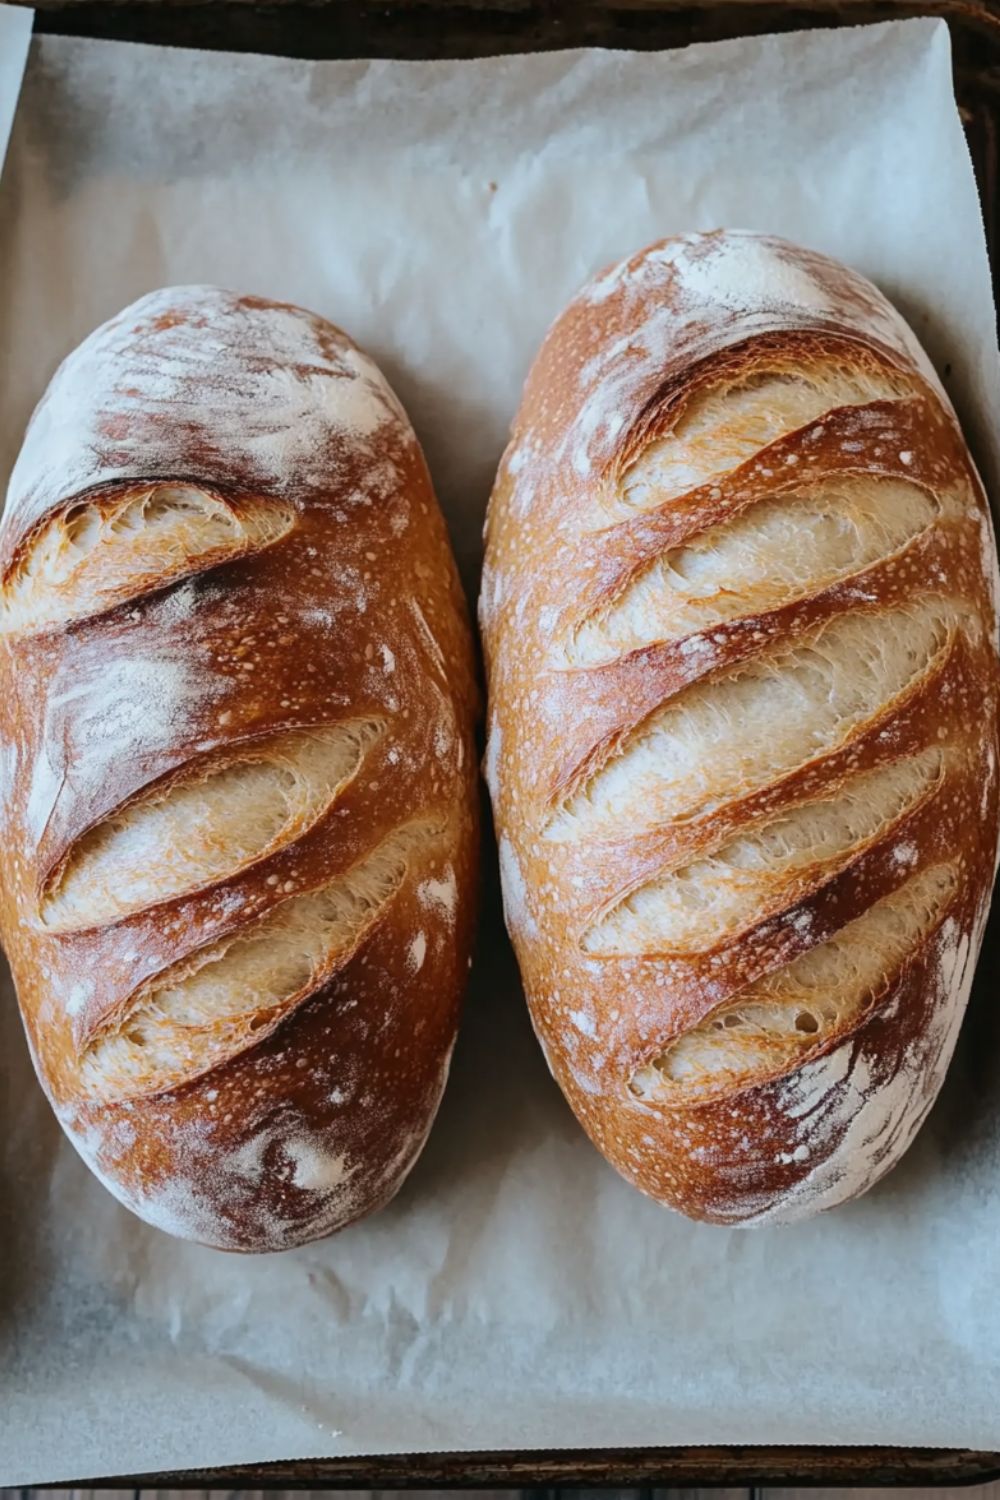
478, 28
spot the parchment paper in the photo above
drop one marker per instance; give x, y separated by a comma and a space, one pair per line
517, 1294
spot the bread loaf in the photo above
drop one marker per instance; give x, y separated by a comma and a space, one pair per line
740, 617
236, 707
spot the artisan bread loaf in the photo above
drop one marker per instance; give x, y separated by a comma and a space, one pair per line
236, 708
739, 611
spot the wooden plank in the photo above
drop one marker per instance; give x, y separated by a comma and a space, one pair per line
990, 1491
76, 1494
980, 1492
672, 1494
289, 1494
294, 1494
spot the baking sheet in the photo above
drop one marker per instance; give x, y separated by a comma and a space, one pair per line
517, 1293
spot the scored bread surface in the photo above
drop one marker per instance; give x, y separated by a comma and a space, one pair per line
239, 770
739, 610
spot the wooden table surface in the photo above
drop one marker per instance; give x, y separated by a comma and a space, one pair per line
975, 1492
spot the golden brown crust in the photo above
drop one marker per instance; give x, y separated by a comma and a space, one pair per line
566, 541
351, 612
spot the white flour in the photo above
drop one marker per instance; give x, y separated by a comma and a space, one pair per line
735, 284
109, 710
315, 1170
441, 893
271, 396
516, 907
873, 1120
417, 952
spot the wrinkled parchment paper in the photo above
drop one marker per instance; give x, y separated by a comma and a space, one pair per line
517, 1294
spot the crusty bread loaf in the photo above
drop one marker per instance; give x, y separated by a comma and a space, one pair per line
739, 609
236, 708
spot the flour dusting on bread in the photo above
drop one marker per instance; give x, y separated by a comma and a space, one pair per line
197, 381
240, 823
744, 713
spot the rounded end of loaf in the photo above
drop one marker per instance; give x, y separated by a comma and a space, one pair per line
258, 1190
808, 1138
318, 1124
